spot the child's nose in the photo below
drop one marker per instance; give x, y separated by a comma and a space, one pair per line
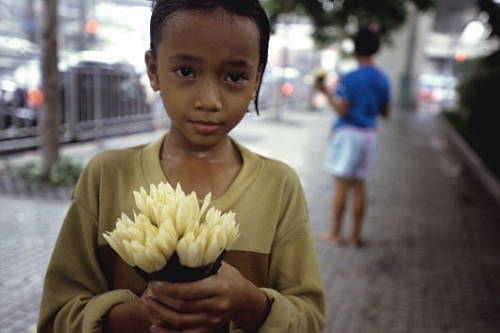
209, 97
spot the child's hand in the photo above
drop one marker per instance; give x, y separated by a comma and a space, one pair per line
206, 305
320, 85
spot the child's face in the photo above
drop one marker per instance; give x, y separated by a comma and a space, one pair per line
207, 70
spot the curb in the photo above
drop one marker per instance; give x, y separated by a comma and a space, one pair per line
489, 180
14, 185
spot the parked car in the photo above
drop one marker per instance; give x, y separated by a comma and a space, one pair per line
85, 77
435, 88
7, 94
12, 110
28, 78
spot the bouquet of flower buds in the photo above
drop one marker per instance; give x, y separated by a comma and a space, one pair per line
166, 240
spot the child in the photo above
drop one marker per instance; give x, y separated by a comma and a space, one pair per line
361, 96
207, 58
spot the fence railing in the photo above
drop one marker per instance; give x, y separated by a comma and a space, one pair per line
97, 100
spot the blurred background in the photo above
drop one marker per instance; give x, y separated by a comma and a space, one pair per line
72, 82
430, 45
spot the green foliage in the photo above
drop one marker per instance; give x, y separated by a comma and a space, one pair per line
64, 173
478, 92
273, 9
330, 23
477, 140
479, 100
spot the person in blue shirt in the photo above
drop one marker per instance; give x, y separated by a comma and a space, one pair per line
360, 97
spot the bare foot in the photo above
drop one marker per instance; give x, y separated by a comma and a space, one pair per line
355, 243
327, 238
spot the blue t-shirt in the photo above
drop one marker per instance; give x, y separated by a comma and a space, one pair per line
368, 90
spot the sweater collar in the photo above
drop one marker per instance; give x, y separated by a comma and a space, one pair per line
252, 163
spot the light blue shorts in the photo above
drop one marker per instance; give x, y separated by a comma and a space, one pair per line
350, 153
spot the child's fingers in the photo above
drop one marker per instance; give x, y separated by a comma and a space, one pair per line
166, 319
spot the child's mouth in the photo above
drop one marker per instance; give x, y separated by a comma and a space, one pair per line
204, 127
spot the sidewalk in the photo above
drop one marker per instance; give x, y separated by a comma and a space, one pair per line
432, 259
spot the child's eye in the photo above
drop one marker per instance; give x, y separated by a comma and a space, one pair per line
184, 72
235, 78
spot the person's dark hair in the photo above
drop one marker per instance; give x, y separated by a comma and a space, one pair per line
162, 10
367, 40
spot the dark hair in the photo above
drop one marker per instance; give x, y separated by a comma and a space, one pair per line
367, 40
164, 9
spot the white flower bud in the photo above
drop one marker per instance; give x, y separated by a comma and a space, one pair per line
155, 257
143, 262
183, 218
187, 251
212, 252
141, 200
166, 239
117, 245
169, 221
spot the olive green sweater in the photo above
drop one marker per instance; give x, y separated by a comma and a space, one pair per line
275, 251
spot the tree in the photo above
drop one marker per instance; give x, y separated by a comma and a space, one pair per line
493, 9
479, 98
51, 106
331, 17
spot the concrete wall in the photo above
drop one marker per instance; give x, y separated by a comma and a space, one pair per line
403, 58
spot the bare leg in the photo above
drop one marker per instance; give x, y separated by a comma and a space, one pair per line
358, 214
339, 199
338, 205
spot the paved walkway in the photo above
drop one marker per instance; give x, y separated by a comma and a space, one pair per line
432, 259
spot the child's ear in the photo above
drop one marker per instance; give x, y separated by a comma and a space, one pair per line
152, 69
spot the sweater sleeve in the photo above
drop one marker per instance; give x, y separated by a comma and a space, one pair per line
298, 305
297, 293
76, 295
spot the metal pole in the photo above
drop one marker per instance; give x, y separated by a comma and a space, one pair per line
407, 99
278, 100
